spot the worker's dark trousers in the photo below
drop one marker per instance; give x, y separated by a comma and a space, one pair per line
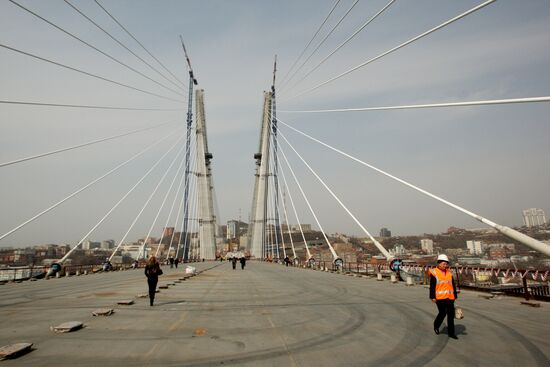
446, 307
152, 282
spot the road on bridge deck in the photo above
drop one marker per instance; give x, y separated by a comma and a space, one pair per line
265, 315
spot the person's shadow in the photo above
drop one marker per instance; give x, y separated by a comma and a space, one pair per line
459, 330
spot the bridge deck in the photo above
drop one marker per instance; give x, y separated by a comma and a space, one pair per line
266, 315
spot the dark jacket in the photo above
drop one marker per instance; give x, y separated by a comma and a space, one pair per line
153, 271
433, 283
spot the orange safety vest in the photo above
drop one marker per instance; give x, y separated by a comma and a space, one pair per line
444, 286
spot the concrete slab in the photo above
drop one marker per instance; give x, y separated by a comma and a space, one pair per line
530, 303
125, 302
14, 350
103, 312
68, 327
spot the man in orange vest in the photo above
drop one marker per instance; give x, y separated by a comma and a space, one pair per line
443, 294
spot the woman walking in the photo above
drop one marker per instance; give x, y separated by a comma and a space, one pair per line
152, 272
443, 294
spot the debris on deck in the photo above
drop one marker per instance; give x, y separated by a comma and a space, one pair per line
14, 350
125, 302
67, 327
530, 303
103, 312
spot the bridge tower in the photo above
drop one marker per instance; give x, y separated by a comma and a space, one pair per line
258, 222
207, 219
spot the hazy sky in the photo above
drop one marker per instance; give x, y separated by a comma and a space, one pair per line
492, 160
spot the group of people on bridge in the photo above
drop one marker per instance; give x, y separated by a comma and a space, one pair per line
443, 291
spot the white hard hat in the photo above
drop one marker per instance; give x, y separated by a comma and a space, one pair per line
442, 258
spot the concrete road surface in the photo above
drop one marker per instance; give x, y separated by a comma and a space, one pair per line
265, 315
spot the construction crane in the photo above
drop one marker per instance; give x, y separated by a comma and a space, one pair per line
192, 82
278, 239
191, 76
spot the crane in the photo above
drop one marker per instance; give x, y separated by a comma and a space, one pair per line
192, 82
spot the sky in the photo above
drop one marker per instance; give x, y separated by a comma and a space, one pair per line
492, 160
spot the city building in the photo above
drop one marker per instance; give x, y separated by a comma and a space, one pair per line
398, 250
385, 233
89, 245
296, 227
427, 245
235, 228
533, 217
498, 252
475, 247
107, 245
168, 232
133, 250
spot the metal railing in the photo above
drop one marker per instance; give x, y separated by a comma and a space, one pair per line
526, 283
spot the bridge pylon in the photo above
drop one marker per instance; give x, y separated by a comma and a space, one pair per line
207, 218
257, 239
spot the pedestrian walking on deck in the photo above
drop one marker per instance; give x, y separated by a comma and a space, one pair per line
443, 294
152, 272
176, 262
243, 262
234, 262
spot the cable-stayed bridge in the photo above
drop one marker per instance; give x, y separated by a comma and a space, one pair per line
342, 314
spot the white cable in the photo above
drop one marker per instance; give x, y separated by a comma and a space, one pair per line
271, 205
270, 233
173, 201
176, 222
187, 239
86, 186
146, 204
180, 244
180, 192
346, 41
276, 177
196, 219
323, 40
118, 203
296, 215
187, 212
297, 218
311, 40
275, 195
180, 210
334, 255
193, 201
280, 230
194, 213
480, 6
154, 222
376, 243
288, 226
122, 44
79, 145
434, 105
531, 242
